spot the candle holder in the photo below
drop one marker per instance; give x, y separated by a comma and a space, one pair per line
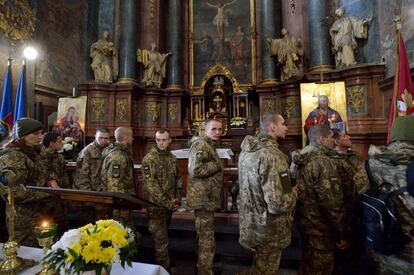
45, 235
12, 264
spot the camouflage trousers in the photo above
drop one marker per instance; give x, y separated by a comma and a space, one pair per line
316, 261
266, 262
158, 222
206, 244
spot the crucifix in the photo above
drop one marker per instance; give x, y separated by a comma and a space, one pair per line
217, 100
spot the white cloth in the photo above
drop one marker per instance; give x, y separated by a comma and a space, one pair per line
37, 255
222, 153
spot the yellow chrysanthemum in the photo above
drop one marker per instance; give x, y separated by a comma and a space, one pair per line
107, 255
91, 251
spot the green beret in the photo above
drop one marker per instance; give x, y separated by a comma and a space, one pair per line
26, 125
403, 129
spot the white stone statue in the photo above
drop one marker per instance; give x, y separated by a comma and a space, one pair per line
343, 33
154, 66
288, 49
104, 56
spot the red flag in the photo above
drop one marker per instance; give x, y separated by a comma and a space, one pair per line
402, 103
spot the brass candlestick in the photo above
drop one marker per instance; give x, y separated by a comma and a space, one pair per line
45, 235
12, 264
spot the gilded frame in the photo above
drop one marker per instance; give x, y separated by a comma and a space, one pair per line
243, 87
309, 93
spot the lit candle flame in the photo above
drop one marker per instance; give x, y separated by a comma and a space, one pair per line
45, 224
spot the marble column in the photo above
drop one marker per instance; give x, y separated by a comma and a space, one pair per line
128, 43
269, 29
175, 46
319, 53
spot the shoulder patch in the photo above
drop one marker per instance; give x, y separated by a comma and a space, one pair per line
285, 181
147, 172
335, 185
199, 155
116, 170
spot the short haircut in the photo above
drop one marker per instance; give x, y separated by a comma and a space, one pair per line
102, 130
121, 132
318, 131
163, 131
208, 121
336, 133
266, 119
48, 138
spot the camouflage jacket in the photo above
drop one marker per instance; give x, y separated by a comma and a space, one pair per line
266, 197
205, 175
352, 175
389, 164
88, 168
54, 167
117, 174
161, 177
21, 171
320, 208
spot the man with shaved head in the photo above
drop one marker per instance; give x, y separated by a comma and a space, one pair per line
117, 173
267, 199
320, 215
205, 175
161, 183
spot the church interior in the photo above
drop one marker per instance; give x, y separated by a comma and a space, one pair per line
174, 64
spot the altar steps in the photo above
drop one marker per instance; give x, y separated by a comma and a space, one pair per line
230, 256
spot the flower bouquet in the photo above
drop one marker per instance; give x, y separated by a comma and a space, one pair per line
238, 122
70, 148
93, 247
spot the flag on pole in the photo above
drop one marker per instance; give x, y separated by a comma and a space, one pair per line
6, 110
402, 103
20, 102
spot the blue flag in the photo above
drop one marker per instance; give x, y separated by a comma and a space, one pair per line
6, 110
20, 102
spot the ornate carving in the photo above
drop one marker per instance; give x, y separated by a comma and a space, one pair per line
121, 112
172, 112
356, 97
220, 69
269, 105
98, 108
152, 110
17, 20
292, 6
152, 9
289, 104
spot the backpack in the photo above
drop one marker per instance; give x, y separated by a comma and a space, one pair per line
378, 227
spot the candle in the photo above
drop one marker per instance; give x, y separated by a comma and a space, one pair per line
333, 117
73, 91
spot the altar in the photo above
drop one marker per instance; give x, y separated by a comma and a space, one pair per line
37, 255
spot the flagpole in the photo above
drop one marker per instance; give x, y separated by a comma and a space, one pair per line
394, 108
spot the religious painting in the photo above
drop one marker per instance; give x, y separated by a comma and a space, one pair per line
222, 32
71, 117
323, 103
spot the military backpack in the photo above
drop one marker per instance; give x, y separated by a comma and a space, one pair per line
378, 226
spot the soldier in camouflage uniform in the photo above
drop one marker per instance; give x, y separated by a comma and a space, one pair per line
53, 163
354, 182
89, 162
162, 182
389, 164
117, 174
205, 175
267, 199
18, 160
320, 208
